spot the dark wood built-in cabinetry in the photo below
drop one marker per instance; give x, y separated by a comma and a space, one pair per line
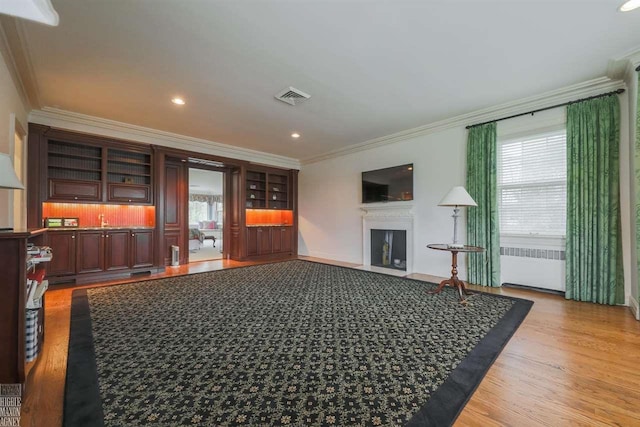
14, 265
129, 176
71, 167
267, 190
267, 240
93, 170
88, 255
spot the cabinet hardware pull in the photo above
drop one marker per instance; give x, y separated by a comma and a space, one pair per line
73, 237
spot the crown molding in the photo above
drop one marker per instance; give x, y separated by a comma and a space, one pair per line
18, 60
9, 60
618, 67
63, 119
28, 70
566, 94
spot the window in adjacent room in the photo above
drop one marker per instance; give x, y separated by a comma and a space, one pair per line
532, 184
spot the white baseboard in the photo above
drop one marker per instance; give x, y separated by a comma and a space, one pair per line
634, 307
333, 256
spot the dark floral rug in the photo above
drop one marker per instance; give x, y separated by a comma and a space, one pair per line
293, 343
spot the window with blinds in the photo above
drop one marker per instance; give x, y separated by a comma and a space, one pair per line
532, 184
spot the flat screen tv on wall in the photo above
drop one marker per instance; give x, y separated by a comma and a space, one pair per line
388, 185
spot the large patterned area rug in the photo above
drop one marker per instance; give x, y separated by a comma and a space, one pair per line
292, 343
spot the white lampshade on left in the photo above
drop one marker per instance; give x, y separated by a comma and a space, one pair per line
8, 177
457, 196
34, 10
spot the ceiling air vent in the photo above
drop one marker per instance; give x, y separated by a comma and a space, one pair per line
292, 96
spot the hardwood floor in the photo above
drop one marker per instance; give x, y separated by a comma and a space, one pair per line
569, 363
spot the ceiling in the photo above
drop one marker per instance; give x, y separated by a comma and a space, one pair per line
372, 68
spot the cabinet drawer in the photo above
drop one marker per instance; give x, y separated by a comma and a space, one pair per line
62, 189
129, 193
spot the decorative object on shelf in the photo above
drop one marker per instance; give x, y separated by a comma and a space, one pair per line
276, 189
128, 180
274, 197
252, 187
61, 222
70, 222
456, 197
252, 196
8, 179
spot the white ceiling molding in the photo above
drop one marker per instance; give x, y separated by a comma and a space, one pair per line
98, 126
566, 94
25, 64
16, 55
34, 10
617, 67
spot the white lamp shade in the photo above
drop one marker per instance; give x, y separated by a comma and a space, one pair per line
8, 177
34, 10
457, 196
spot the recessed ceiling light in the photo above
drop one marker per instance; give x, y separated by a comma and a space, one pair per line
629, 5
178, 101
295, 135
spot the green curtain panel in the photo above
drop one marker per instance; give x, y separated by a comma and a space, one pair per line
594, 242
482, 221
637, 170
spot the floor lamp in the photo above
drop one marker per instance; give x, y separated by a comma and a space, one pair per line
8, 179
456, 197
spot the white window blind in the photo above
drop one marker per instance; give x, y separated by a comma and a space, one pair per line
532, 184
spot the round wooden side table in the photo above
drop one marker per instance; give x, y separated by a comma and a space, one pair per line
454, 281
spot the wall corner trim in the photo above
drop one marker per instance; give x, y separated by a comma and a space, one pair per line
634, 307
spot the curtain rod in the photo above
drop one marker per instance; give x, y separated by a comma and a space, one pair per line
616, 92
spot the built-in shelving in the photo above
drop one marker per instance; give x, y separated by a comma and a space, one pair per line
70, 161
256, 190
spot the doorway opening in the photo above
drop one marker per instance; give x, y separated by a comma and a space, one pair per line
206, 214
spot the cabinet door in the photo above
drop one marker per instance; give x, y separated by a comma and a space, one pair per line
141, 248
90, 255
276, 240
129, 193
287, 239
282, 239
63, 245
264, 240
252, 241
62, 189
116, 245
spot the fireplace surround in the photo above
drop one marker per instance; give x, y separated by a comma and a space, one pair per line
397, 216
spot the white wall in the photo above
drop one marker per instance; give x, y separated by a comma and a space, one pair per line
329, 199
10, 104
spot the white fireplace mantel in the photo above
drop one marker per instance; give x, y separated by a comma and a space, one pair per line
387, 216
387, 209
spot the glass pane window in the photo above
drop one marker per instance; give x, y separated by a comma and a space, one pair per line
198, 211
532, 184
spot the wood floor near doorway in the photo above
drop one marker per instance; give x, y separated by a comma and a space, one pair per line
569, 363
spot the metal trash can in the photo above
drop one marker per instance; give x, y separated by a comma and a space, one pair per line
175, 255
